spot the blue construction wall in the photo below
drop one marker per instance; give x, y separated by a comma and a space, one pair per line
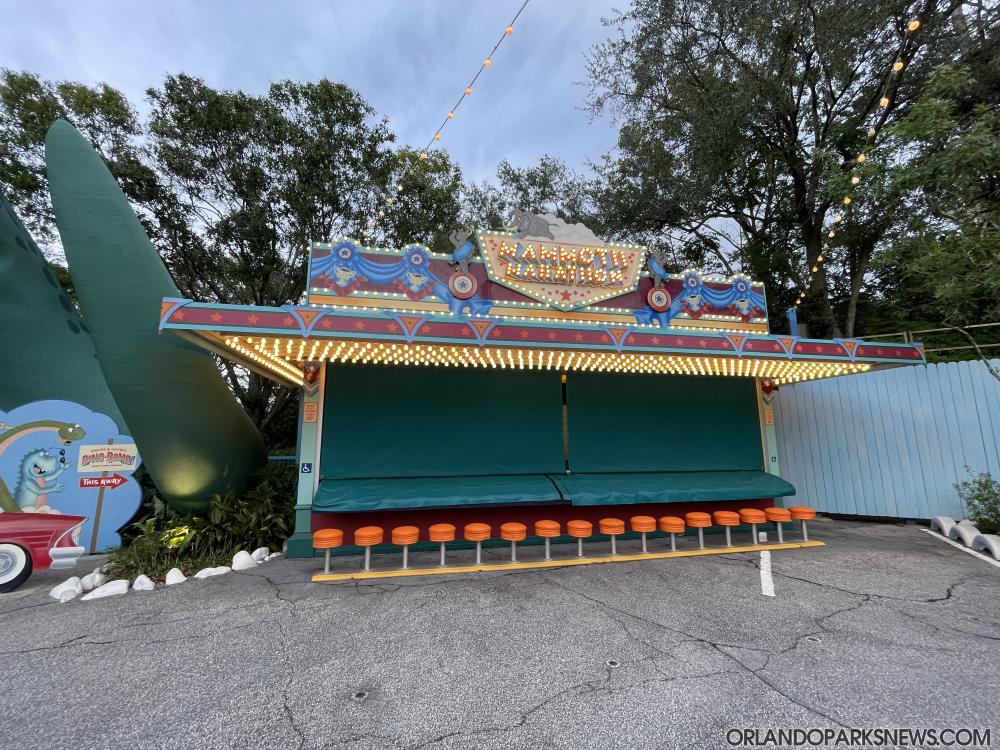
889, 443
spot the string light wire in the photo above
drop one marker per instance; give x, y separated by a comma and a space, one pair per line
889, 86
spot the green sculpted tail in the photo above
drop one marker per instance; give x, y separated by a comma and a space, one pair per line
48, 353
194, 438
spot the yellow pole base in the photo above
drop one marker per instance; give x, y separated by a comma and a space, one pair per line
566, 562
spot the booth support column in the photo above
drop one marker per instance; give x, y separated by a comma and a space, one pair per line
768, 437
309, 440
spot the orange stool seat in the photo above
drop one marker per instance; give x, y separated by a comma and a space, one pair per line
513, 532
673, 526
778, 516
753, 516
802, 513
547, 530
726, 518
643, 524
612, 527
478, 533
367, 537
327, 539
405, 536
441, 532
580, 530
700, 521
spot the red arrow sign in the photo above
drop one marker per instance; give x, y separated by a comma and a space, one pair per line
115, 480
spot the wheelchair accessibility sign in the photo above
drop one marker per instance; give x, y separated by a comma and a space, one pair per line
307, 468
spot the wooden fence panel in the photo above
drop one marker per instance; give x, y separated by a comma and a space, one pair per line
889, 443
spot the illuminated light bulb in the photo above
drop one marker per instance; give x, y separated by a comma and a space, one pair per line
914, 24
487, 62
838, 217
399, 187
423, 156
819, 259
390, 201
815, 269
831, 233
855, 180
510, 30
437, 136
451, 115
897, 66
872, 132
381, 212
861, 158
847, 200
468, 90
884, 101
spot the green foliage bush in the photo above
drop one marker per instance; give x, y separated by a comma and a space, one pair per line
263, 517
981, 497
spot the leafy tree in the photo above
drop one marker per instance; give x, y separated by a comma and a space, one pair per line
548, 187
232, 187
738, 119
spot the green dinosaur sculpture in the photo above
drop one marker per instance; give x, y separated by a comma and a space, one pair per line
55, 356
195, 440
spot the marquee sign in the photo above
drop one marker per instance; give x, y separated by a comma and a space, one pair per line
564, 275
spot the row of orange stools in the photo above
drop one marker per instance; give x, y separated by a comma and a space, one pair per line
514, 532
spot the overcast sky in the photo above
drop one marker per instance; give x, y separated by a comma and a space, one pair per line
409, 58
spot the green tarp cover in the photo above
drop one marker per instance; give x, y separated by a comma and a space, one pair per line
670, 487
423, 492
623, 423
440, 422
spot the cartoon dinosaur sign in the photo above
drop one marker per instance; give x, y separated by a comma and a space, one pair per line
41, 469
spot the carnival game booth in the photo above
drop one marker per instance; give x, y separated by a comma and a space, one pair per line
532, 376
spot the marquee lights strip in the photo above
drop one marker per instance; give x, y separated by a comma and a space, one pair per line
277, 354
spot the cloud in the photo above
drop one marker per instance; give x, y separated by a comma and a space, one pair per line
410, 60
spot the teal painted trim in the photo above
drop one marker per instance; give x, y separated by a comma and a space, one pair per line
308, 452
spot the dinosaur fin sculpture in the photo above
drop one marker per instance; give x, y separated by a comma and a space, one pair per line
49, 352
195, 440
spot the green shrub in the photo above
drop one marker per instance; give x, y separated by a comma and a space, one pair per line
981, 497
263, 517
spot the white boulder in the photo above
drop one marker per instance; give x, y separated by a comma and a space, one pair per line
243, 561
963, 533
174, 575
942, 524
260, 554
94, 580
209, 572
988, 543
272, 556
112, 588
142, 583
967, 522
68, 589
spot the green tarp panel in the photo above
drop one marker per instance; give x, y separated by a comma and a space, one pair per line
432, 422
670, 487
624, 423
388, 494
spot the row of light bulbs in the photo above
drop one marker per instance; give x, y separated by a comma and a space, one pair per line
487, 63
272, 352
873, 131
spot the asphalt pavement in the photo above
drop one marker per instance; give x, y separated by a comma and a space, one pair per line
886, 626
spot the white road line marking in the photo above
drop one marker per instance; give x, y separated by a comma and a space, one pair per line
953, 543
766, 582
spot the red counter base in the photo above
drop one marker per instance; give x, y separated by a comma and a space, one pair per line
422, 518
